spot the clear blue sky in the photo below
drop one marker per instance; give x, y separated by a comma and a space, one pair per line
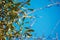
50, 18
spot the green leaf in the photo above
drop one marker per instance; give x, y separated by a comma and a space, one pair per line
27, 27
30, 9
28, 34
28, 3
30, 30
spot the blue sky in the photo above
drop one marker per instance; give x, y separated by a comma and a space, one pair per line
49, 18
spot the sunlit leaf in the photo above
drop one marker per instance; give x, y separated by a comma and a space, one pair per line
9, 13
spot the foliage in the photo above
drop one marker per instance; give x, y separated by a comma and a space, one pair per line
9, 13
